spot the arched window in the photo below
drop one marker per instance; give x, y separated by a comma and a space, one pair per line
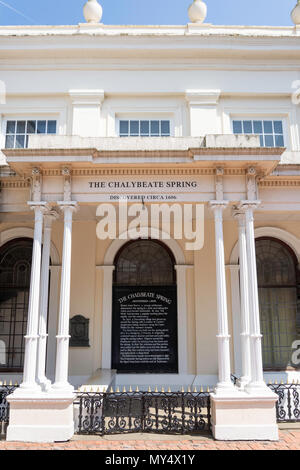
15, 271
277, 283
144, 320
144, 263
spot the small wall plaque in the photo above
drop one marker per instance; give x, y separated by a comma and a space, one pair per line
79, 331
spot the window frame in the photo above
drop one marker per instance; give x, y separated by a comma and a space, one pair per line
263, 117
9, 369
144, 117
294, 286
18, 114
26, 118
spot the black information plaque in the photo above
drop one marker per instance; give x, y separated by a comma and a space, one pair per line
144, 330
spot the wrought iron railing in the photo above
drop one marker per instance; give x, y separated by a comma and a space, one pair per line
5, 390
118, 412
288, 405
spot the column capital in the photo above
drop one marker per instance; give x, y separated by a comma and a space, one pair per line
248, 204
218, 205
49, 217
64, 205
239, 214
42, 205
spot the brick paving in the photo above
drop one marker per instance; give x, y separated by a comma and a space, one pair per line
289, 440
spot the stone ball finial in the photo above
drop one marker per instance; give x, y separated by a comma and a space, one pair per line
197, 11
92, 11
295, 15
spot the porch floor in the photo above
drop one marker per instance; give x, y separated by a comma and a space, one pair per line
289, 440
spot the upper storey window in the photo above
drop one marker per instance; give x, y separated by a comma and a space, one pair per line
270, 132
144, 128
18, 131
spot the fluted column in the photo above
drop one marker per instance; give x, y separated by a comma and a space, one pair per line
62, 353
257, 383
225, 384
44, 293
29, 375
244, 297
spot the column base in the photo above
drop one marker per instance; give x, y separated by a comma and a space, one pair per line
40, 418
62, 388
259, 389
244, 418
225, 389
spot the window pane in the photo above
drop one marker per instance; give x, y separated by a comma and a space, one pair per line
268, 127
278, 129
134, 128
165, 128
237, 127
51, 127
124, 127
247, 125
257, 127
20, 141
10, 141
21, 127
11, 127
261, 139
145, 127
41, 127
155, 128
31, 127
279, 142
269, 141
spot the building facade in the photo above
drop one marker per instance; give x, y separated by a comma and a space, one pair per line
96, 119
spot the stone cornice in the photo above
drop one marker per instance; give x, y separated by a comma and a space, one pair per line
109, 41
279, 183
14, 183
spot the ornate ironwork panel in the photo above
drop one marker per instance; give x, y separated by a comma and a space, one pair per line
5, 390
288, 405
134, 412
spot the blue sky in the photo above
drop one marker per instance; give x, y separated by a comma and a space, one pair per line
234, 12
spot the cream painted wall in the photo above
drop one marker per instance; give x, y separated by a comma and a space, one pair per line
83, 291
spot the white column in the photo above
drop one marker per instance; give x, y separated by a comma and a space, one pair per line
257, 384
244, 298
44, 290
225, 384
29, 376
53, 320
234, 270
62, 353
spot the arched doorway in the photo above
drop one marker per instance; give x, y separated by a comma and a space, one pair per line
15, 271
144, 326
277, 283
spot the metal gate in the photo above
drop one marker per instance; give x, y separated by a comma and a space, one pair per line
135, 412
